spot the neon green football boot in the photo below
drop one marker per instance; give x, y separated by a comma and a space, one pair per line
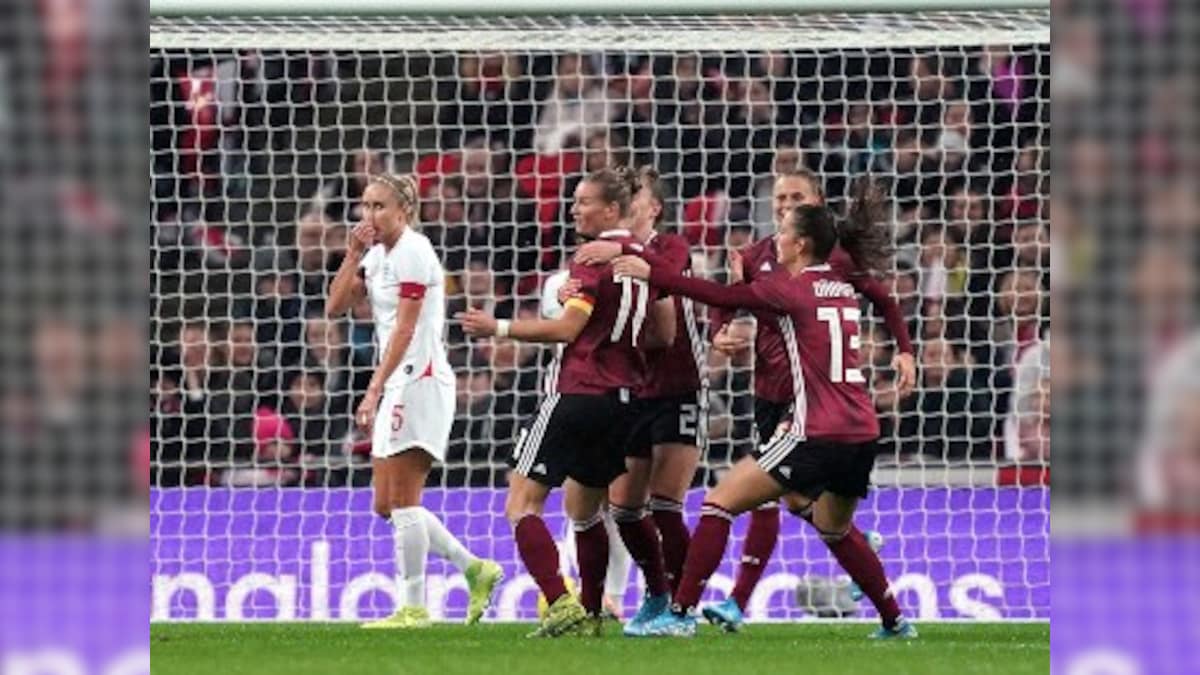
563, 617
483, 576
404, 618
590, 627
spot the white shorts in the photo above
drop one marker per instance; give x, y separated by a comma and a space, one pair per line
418, 415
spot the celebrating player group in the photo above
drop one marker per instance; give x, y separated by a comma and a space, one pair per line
622, 425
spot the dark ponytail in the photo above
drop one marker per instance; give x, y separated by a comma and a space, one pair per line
860, 234
863, 234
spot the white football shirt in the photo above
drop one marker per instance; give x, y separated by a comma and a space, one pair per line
410, 269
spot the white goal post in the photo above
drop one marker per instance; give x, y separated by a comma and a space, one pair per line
265, 113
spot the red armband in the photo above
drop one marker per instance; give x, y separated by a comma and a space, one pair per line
412, 291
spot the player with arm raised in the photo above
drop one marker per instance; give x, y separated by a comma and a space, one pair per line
772, 376
829, 449
669, 429
578, 436
409, 405
773, 393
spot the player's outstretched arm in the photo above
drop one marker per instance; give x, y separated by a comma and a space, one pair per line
599, 252
566, 328
741, 296
721, 316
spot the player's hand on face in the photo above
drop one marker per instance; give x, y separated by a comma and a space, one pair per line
477, 323
568, 290
362, 237
737, 267
597, 252
364, 417
906, 373
728, 343
631, 266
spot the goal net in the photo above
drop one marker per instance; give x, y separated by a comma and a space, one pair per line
263, 131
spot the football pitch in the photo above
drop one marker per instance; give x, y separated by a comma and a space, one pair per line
501, 649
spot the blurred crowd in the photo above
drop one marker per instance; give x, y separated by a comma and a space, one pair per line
1125, 255
72, 212
252, 385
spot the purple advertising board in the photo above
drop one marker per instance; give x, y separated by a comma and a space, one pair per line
74, 603
1126, 605
980, 553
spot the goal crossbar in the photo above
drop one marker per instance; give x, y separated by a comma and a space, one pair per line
518, 7
600, 33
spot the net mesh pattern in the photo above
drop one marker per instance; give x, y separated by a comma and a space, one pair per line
264, 130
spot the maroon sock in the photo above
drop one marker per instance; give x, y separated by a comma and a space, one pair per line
864, 567
704, 554
668, 517
806, 515
756, 551
641, 540
540, 555
591, 553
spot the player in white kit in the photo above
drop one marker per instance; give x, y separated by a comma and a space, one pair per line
409, 406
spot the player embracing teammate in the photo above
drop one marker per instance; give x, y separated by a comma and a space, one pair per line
827, 452
614, 354
774, 395
668, 430
578, 437
773, 381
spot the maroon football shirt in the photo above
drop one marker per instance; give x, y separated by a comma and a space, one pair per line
873, 290
771, 381
675, 370
605, 356
817, 315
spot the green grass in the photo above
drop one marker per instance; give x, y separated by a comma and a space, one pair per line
500, 649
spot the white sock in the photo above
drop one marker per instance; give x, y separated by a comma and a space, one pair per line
445, 544
619, 563
412, 548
